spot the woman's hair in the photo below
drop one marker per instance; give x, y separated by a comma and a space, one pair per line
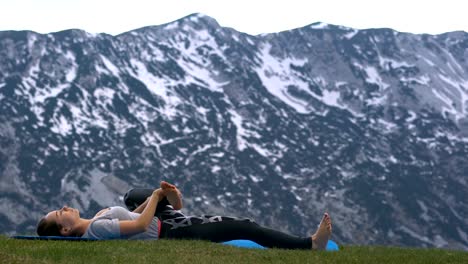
48, 228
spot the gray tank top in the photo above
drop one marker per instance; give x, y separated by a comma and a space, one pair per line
107, 226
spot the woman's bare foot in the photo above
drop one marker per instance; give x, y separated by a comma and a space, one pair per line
166, 185
173, 195
323, 233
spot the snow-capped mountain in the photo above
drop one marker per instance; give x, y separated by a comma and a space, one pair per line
370, 125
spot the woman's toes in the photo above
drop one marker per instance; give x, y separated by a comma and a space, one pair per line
166, 185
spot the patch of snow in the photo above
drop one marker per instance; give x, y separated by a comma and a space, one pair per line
338, 84
241, 132
34, 70
454, 62
53, 147
200, 149
104, 95
186, 28
443, 97
156, 54
157, 86
385, 62
320, 81
148, 139
412, 117
71, 74
82, 119
260, 150
388, 125
215, 169
424, 214
31, 40
319, 25
331, 98
377, 100
462, 234
195, 17
358, 48
148, 79
351, 34
113, 70
203, 35
171, 26
61, 126
422, 80
198, 69
255, 178
217, 155
100, 70
276, 77
461, 88
440, 242
374, 77
45, 93
91, 35
347, 175
428, 61
415, 235
449, 65
196, 73
449, 81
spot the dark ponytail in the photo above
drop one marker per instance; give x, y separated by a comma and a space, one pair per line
48, 228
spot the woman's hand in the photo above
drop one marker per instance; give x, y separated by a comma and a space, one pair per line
159, 193
141, 224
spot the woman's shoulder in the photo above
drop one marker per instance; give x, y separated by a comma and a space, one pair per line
103, 227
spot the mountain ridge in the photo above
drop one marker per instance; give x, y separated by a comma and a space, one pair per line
212, 20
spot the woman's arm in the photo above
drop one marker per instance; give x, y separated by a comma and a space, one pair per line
142, 206
170, 191
142, 223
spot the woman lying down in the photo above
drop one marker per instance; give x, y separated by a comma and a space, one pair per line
156, 215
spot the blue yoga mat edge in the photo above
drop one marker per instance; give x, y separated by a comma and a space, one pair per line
331, 246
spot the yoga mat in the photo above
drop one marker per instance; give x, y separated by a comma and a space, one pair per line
331, 246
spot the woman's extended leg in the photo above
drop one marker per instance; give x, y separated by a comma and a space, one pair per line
236, 229
176, 225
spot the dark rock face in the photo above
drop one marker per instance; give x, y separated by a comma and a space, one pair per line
371, 125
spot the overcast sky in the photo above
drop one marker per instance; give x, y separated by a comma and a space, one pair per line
249, 16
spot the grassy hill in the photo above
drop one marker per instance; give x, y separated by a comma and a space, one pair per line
165, 251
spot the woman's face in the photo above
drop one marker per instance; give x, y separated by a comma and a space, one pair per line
65, 217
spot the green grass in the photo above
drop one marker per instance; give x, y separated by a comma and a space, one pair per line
164, 251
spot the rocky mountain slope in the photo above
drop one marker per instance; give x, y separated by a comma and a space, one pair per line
371, 125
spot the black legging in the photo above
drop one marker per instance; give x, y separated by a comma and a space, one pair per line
176, 225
